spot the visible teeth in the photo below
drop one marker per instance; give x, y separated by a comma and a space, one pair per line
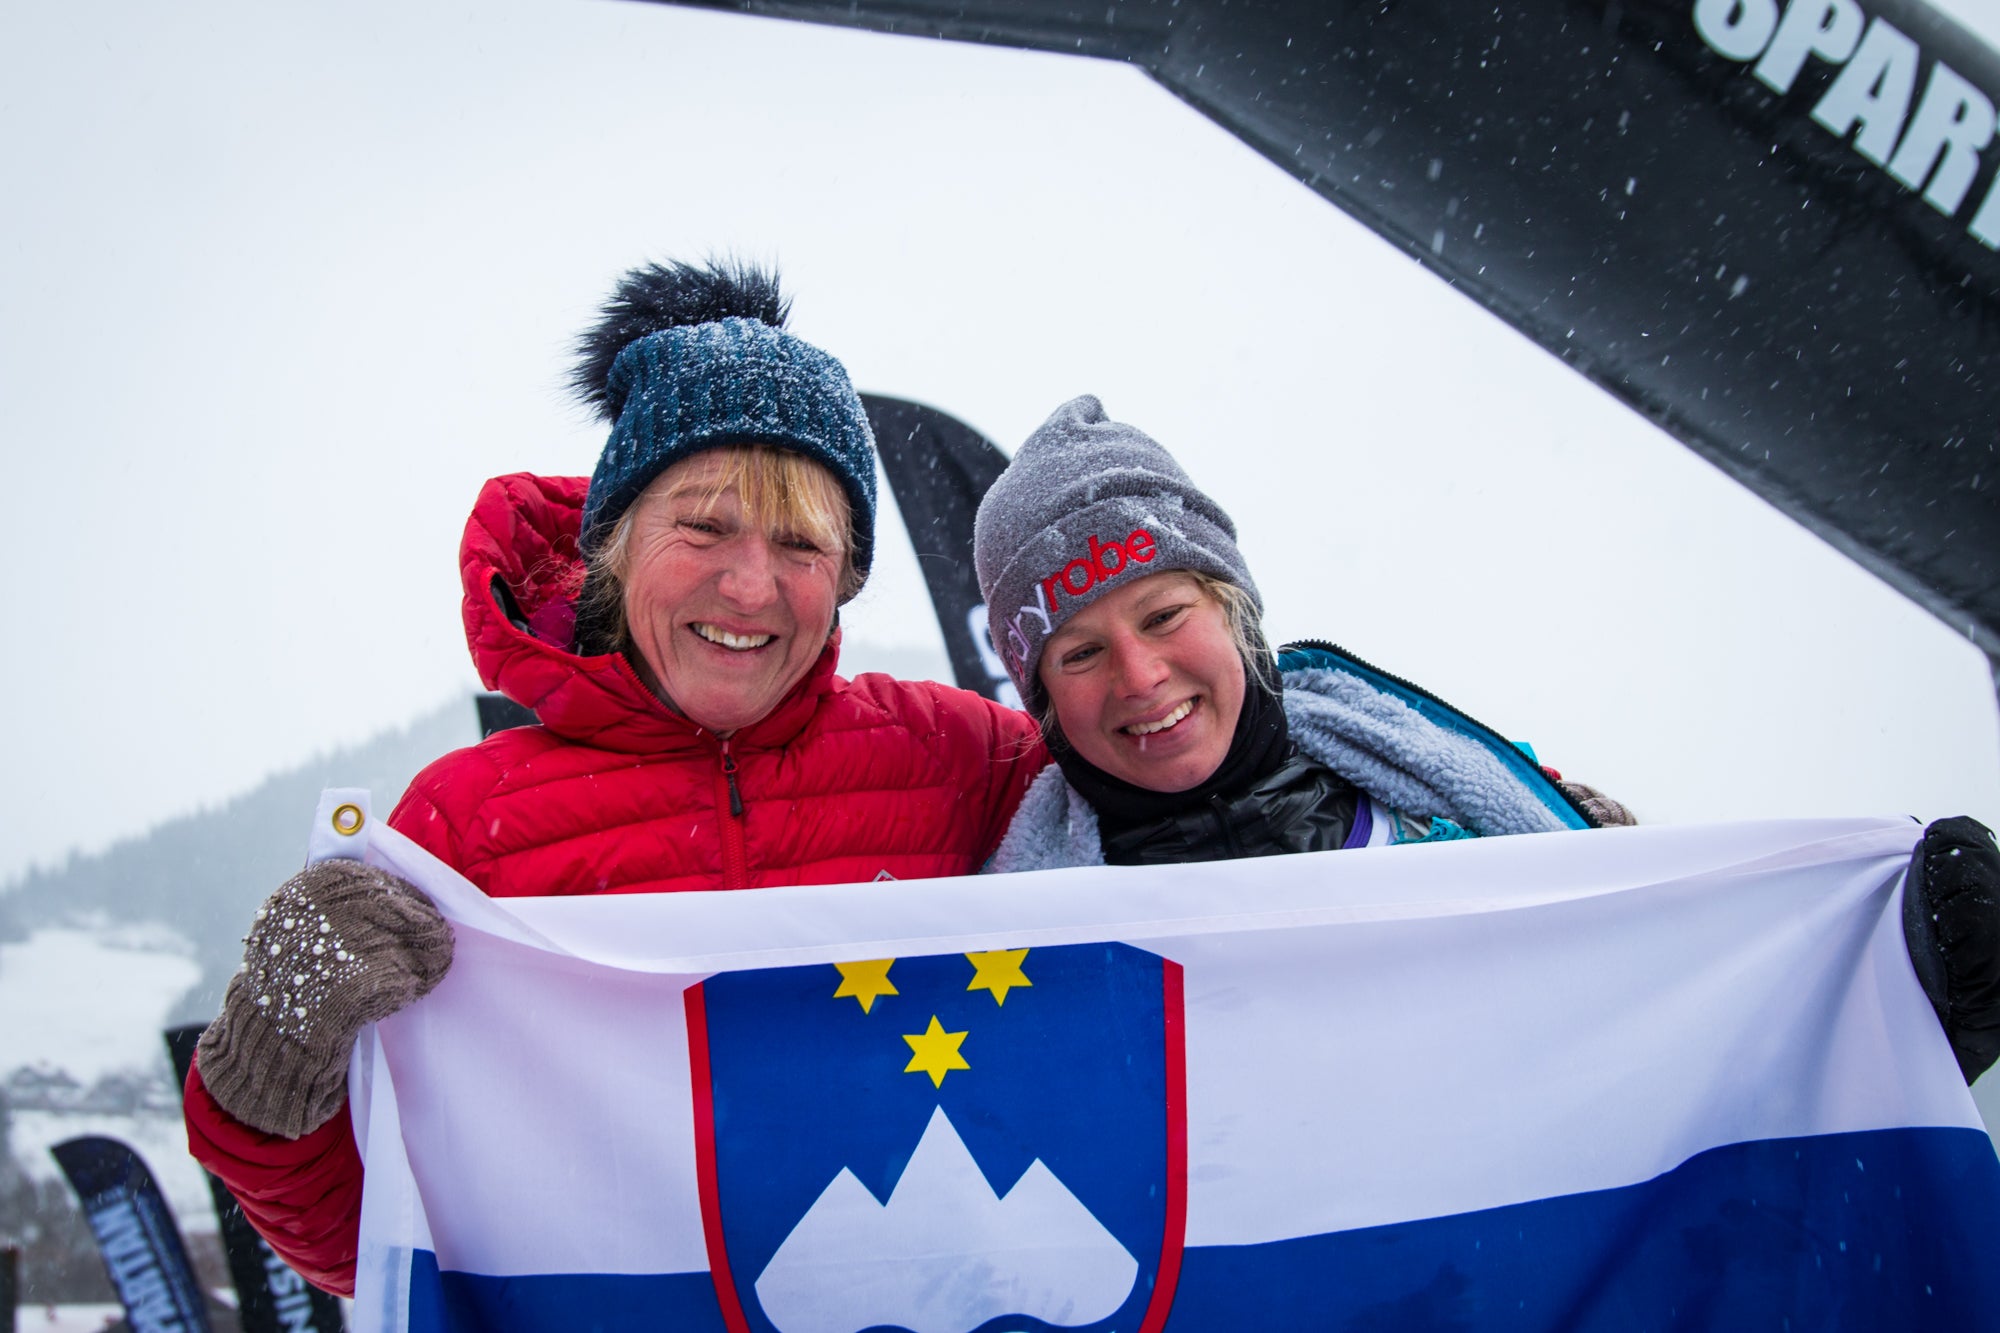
1148, 728
739, 642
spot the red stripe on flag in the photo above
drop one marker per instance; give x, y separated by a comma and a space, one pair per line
1173, 1239
704, 1160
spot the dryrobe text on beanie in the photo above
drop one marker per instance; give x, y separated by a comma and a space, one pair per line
686, 359
1087, 504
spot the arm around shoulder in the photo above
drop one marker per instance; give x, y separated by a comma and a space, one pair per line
1011, 754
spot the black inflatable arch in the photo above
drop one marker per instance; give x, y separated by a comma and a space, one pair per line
1768, 225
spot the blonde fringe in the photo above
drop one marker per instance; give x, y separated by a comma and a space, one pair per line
784, 490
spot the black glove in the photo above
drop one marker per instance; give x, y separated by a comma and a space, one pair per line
1951, 923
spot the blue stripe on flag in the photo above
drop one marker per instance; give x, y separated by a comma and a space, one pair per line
444, 1302
1888, 1229
1870, 1230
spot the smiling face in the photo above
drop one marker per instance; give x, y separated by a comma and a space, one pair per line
1147, 682
727, 608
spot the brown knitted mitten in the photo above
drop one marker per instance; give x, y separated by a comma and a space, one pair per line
1603, 811
339, 945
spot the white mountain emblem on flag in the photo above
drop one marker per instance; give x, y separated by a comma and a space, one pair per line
946, 1253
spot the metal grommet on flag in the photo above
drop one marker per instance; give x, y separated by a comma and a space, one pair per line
341, 826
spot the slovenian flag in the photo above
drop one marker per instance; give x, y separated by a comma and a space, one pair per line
1629, 1079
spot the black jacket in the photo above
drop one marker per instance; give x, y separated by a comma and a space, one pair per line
1303, 806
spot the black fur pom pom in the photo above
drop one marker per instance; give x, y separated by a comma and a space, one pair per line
665, 296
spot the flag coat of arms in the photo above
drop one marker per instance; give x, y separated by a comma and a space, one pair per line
1059, 1159
1644, 1078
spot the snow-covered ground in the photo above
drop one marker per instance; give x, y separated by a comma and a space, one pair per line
66, 1318
160, 1141
91, 1001
74, 1318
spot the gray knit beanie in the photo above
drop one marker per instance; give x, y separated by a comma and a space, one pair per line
1086, 501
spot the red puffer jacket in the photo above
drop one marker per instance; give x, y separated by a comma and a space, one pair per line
845, 781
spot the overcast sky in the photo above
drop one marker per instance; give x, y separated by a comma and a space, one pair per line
284, 282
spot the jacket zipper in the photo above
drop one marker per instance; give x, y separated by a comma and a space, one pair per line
1423, 693
735, 858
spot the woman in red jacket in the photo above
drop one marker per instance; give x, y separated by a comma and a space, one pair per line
674, 626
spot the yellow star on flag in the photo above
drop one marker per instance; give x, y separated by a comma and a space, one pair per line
935, 1052
998, 970
865, 981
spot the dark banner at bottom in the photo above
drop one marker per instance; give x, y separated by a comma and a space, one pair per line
271, 1298
136, 1234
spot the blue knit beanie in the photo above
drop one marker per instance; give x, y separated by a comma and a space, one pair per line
686, 359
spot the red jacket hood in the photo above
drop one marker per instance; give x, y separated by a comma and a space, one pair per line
522, 534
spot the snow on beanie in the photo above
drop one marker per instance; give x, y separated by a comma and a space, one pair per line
1086, 502
686, 359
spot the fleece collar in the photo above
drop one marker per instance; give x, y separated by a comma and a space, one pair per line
1369, 734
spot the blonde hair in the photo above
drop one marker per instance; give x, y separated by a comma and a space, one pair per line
1246, 629
781, 488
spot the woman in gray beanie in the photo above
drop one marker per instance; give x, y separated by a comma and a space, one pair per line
1129, 623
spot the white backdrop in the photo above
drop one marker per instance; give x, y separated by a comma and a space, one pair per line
284, 282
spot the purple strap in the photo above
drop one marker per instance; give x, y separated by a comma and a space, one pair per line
1364, 824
